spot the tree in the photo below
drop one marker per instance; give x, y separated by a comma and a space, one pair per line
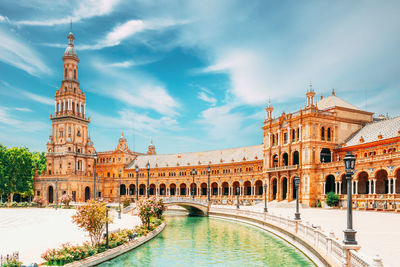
332, 199
39, 161
145, 211
92, 218
3, 160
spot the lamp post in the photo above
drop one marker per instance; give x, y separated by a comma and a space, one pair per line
208, 187
237, 195
349, 233
107, 207
193, 173
94, 175
265, 197
56, 192
297, 184
148, 179
137, 182
119, 196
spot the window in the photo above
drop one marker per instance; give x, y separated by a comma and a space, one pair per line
78, 133
328, 134
273, 140
298, 134
322, 133
38, 193
293, 135
65, 73
285, 140
75, 74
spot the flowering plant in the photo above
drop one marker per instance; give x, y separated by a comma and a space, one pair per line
148, 208
65, 199
40, 201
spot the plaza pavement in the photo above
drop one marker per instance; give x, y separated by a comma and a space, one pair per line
377, 232
31, 231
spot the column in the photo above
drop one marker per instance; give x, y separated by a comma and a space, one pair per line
80, 108
64, 107
369, 186
394, 185
300, 132
55, 106
269, 140
278, 137
336, 183
340, 187
59, 105
374, 186
389, 185
323, 186
84, 109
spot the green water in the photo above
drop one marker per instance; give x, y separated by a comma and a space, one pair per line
203, 241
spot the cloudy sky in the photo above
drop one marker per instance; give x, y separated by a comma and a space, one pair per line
192, 75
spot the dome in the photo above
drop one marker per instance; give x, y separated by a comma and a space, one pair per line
70, 51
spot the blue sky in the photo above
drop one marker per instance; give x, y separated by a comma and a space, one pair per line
192, 75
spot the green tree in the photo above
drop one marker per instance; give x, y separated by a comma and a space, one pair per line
3, 161
39, 161
332, 199
18, 172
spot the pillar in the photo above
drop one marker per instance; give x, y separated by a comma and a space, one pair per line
394, 185
323, 185
336, 183
389, 185
340, 187
356, 187
374, 186
369, 186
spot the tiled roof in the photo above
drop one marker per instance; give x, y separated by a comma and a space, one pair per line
332, 101
388, 128
230, 155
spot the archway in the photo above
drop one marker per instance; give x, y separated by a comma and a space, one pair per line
162, 190
225, 188
274, 188
182, 189
87, 193
259, 188
172, 189
363, 183
50, 195
382, 185
193, 189
214, 189
236, 185
284, 188
296, 158
203, 187
122, 190
344, 184
247, 188
330, 184
285, 159
142, 189
397, 182
275, 161
325, 155
132, 190
152, 189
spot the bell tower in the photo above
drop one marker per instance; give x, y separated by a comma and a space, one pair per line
69, 149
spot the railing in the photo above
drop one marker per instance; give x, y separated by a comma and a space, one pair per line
282, 168
171, 200
327, 246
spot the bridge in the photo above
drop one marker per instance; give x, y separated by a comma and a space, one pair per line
193, 206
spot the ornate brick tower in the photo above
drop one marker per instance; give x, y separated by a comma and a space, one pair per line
70, 151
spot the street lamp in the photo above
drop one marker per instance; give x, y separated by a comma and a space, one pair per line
193, 173
208, 187
107, 207
297, 184
148, 179
137, 182
265, 197
119, 196
349, 233
56, 192
94, 175
237, 195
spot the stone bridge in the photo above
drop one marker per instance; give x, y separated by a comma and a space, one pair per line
193, 206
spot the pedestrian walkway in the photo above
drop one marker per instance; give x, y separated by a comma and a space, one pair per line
377, 232
32, 231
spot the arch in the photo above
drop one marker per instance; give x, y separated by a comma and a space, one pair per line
382, 185
172, 189
225, 189
50, 194
363, 183
182, 189
132, 190
397, 176
163, 190
152, 189
87, 193
285, 159
142, 189
274, 184
122, 190
235, 185
296, 158
344, 184
203, 189
325, 155
330, 184
193, 189
259, 187
247, 188
214, 189
284, 187
275, 161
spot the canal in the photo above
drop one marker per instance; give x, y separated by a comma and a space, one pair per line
205, 241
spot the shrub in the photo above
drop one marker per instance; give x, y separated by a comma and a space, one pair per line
319, 204
332, 199
92, 218
68, 253
126, 202
150, 208
12, 263
39, 201
65, 199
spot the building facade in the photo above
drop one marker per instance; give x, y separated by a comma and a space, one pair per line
309, 143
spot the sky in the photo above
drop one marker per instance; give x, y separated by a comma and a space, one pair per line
192, 75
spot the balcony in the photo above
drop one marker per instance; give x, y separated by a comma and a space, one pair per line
283, 168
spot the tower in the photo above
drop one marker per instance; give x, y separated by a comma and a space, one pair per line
310, 96
152, 149
69, 149
269, 110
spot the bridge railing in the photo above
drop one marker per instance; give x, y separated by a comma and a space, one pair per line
184, 200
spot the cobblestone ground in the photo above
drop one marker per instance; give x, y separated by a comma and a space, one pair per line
32, 231
377, 232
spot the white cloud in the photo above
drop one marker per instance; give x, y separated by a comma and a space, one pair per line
7, 118
4, 18
203, 95
80, 9
16, 53
123, 64
23, 109
38, 98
